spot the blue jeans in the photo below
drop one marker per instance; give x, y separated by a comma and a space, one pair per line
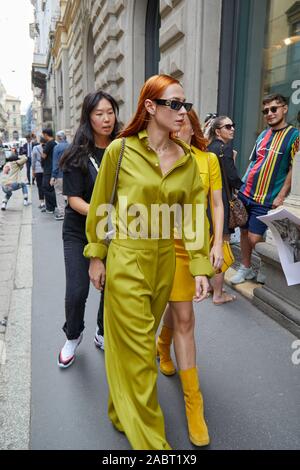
9, 188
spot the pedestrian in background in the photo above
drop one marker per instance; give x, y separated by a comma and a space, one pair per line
80, 164
34, 142
11, 179
27, 150
179, 318
155, 169
57, 174
37, 170
267, 180
49, 193
221, 134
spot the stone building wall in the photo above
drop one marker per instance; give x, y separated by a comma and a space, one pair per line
12, 107
189, 44
101, 44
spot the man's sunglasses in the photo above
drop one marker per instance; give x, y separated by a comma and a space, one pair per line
273, 109
174, 104
228, 126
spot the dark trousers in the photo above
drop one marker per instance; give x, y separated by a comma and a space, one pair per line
49, 193
77, 289
28, 166
39, 182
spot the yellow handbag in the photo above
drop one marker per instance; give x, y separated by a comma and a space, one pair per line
227, 252
228, 256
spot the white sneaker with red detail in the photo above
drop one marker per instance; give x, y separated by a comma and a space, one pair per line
67, 354
99, 340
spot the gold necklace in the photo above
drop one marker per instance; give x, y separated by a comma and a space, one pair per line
160, 149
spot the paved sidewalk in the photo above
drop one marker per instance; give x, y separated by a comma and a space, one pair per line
15, 323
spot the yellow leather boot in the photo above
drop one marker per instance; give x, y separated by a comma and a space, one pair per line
198, 432
163, 345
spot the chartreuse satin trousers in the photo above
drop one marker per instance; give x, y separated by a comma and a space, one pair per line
138, 283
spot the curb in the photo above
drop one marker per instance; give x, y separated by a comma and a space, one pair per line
245, 289
15, 344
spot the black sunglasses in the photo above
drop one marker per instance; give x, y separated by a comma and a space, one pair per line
228, 126
174, 104
273, 109
211, 116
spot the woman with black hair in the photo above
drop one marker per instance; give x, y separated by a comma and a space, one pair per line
220, 135
80, 164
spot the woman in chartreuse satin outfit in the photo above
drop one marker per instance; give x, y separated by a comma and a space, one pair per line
155, 170
179, 319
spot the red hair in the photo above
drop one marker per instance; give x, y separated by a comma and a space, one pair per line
152, 89
198, 139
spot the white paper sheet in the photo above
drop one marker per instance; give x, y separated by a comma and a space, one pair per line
285, 228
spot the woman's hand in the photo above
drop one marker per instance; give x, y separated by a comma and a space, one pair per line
216, 256
97, 273
201, 288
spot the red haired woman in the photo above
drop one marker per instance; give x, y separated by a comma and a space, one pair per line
156, 170
179, 319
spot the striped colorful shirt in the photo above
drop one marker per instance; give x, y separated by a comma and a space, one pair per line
271, 160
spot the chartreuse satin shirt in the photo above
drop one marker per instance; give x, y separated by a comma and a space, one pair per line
141, 185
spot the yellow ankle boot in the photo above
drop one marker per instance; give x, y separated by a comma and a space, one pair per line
198, 432
163, 345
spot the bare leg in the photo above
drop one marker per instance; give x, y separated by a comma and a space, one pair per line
219, 294
185, 350
253, 239
184, 341
246, 249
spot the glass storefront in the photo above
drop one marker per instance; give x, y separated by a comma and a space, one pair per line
282, 54
267, 60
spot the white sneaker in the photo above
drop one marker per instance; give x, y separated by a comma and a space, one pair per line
99, 340
25, 202
261, 277
243, 274
3, 206
235, 237
67, 354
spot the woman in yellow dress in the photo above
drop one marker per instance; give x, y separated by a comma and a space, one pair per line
179, 319
156, 170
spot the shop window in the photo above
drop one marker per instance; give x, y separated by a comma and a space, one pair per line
282, 52
152, 52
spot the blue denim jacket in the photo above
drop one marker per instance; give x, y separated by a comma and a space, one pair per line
57, 154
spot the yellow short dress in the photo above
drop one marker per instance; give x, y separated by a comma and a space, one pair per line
183, 288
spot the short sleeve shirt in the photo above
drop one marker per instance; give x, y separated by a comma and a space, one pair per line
80, 184
209, 170
271, 160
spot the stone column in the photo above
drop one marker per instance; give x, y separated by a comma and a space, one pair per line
292, 202
279, 301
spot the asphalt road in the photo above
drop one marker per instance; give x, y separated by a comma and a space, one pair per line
251, 387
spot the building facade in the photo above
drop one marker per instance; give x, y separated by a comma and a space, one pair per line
46, 15
13, 129
116, 44
3, 115
227, 54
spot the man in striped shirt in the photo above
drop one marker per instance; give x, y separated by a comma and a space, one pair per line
267, 180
